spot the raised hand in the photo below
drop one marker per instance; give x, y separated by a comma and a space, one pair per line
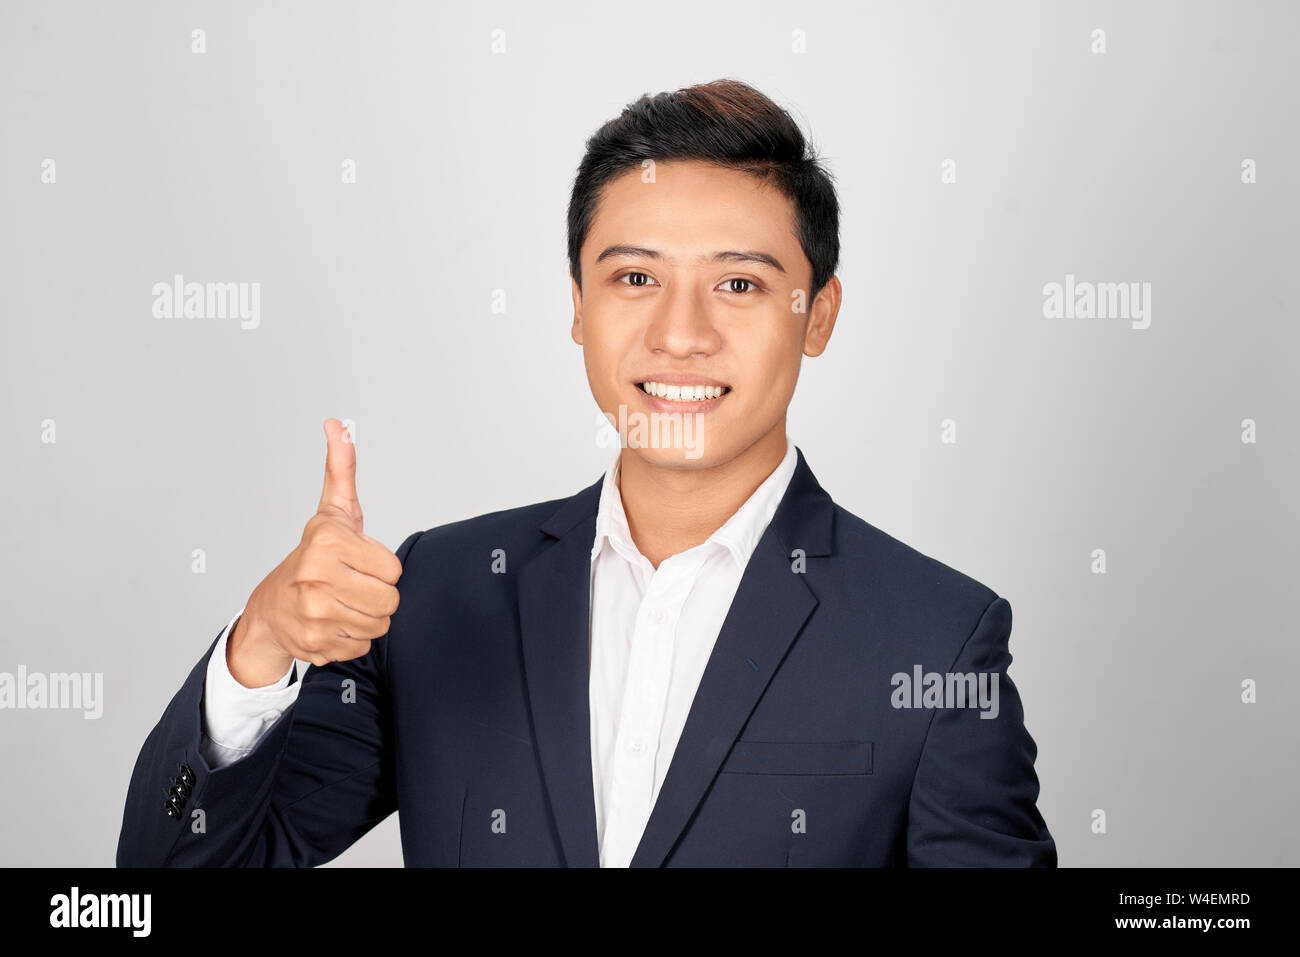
331, 596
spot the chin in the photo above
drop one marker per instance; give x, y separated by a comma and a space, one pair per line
669, 458
700, 455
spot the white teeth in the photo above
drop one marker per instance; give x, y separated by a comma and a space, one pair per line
682, 393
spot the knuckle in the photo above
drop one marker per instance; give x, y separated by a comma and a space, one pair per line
319, 635
306, 568
326, 537
370, 631
317, 570
315, 604
316, 525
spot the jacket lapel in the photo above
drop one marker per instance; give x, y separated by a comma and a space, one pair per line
771, 605
555, 625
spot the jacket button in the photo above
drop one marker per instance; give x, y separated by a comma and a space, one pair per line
179, 785
186, 774
172, 810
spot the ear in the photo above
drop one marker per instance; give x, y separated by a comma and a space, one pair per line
577, 311
821, 318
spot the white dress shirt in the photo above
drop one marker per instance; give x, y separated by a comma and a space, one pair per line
651, 634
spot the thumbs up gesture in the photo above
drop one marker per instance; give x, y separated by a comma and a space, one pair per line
332, 595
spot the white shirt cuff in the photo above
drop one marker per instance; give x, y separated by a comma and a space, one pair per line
234, 717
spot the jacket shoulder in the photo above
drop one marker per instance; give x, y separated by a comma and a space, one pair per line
898, 569
515, 530
923, 610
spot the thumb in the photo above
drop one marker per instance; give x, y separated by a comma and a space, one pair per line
339, 497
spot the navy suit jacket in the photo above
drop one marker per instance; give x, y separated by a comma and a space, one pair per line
471, 716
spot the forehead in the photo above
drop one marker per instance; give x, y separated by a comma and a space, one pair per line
693, 204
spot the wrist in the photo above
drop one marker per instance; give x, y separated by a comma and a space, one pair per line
251, 657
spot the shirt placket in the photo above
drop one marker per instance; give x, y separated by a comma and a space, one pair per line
649, 675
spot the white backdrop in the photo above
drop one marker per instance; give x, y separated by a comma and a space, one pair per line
982, 151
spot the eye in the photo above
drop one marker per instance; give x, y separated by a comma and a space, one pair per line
740, 292
635, 285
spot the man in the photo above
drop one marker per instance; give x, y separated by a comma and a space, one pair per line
699, 659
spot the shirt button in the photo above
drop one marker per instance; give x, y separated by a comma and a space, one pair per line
637, 746
270, 716
658, 616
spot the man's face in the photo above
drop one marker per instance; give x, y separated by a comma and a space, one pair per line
669, 311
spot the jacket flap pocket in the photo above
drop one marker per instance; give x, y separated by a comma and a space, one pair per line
799, 757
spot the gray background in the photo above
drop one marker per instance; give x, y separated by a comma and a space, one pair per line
1072, 434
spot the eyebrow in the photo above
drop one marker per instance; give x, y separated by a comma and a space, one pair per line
726, 255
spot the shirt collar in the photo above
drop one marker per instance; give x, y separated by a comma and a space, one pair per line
739, 534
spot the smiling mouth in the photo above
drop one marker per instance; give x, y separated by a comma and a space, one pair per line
683, 393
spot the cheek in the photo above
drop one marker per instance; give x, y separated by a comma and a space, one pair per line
605, 349
771, 360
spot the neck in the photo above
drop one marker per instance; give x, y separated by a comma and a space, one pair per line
670, 510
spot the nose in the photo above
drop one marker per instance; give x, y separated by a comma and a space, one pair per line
681, 325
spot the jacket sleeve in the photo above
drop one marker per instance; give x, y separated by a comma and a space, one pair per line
317, 781
974, 798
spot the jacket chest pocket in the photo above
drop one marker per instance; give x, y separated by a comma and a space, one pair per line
799, 757
784, 803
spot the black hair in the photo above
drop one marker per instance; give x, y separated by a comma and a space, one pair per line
726, 122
